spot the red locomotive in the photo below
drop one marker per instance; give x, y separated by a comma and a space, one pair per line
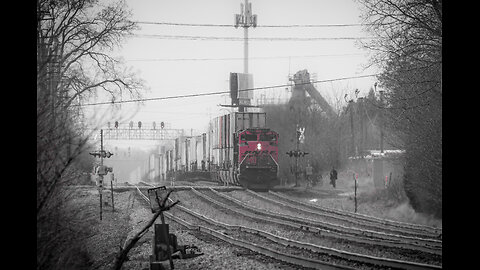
237, 149
257, 162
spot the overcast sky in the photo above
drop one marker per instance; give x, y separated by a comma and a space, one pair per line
172, 66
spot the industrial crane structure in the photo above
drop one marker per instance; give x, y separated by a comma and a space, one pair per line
302, 86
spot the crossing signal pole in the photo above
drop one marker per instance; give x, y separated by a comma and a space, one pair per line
101, 170
299, 138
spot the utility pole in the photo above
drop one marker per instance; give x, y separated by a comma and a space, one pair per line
245, 19
381, 117
299, 138
351, 126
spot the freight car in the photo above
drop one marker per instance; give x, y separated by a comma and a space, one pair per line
237, 149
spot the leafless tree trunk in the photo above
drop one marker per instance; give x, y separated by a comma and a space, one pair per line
409, 49
73, 64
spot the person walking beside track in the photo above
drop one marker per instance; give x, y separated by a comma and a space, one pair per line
333, 177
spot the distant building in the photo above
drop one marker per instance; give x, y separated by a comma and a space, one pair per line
382, 168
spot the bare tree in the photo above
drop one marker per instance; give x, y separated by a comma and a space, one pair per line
408, 47
75, 40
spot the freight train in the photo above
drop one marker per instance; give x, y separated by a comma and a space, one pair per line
237, 149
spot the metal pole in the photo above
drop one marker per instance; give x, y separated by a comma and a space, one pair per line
111, 188
245, 50
246, 24
245, 47
296, 155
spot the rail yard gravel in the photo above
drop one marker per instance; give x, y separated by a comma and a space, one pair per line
131, 215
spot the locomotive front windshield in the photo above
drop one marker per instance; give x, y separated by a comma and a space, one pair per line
268, 137
248, 137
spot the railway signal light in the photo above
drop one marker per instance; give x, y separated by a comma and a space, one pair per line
301, 134
116, 124
162, 125
139, 124
104, 154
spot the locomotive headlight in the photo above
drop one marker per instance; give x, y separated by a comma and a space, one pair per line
259, 147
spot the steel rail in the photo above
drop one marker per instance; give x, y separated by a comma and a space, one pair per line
177, 188
288, 258
369, 224
319, 231
398, 264
316, 248
399, 224
429, 245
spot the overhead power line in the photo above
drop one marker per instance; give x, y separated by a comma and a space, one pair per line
221, 92
239, 58
258, 25
176, 37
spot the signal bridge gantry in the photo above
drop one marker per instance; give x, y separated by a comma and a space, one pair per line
140, 133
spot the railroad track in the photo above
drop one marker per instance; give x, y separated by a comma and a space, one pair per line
283, 249
364, 245
243, 240
342, 217
327, 229
427, 231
